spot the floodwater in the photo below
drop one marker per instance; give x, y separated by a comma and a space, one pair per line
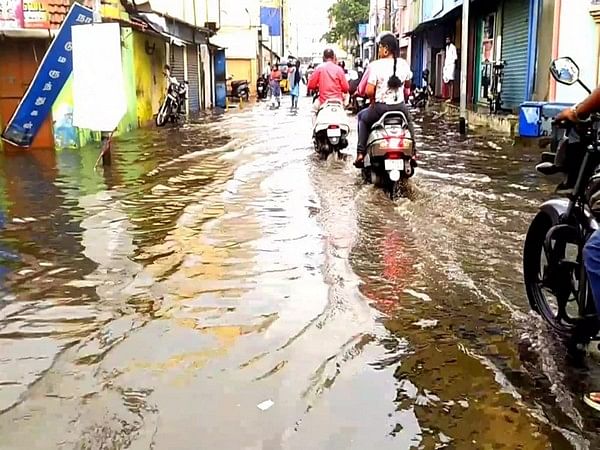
219, 287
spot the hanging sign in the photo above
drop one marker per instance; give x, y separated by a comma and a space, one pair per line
51, 76
35, 14
99, 101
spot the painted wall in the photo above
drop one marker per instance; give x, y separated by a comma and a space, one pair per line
576, 27
150, 84
544, 57
243, 69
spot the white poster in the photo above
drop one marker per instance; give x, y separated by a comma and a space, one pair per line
99, 101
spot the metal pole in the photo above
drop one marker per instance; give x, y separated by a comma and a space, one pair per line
464, 61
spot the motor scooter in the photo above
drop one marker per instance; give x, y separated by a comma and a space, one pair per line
331, 130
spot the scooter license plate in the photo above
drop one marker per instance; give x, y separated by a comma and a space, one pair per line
394, 164
334, 132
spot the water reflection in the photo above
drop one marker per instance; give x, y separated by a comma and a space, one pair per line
222, 266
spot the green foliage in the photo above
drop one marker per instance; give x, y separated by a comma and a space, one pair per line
346, 16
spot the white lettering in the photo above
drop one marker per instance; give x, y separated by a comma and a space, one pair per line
47, 86
40, 101
28, 126
69, 46
80, 18
35, 113
62, 59
54, 74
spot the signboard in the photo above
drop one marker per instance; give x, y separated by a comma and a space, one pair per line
99, 101
272, 18
363, 29
35, 14
11, 14
51, 76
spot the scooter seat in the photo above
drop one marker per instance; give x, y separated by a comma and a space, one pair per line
391, 118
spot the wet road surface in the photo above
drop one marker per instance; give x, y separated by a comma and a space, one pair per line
219, 287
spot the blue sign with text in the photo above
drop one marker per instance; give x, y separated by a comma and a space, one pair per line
50, 78
272, 18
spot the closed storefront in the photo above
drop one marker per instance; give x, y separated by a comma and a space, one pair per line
177, 62
515, 52
19, 60
193, 78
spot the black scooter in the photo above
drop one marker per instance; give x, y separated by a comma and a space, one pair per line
240, 89
262, 87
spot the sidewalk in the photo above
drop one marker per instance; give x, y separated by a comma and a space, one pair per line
502, 123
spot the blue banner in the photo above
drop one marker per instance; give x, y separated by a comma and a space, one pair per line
50, 78
272, 18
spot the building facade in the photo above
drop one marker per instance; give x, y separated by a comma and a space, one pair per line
153, 33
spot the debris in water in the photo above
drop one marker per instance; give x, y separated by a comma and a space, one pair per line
267, 404
419, 295
426, 323
494, 145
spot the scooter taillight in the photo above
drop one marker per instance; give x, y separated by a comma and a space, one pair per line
394, 143
333, 127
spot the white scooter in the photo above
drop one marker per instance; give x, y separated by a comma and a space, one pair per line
331, 129
391, 157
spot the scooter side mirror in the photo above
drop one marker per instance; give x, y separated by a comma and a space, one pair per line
565, 71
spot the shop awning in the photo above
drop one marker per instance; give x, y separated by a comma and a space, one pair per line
448, 7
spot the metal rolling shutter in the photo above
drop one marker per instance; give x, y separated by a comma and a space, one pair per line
515, 52
177, 62
193, 78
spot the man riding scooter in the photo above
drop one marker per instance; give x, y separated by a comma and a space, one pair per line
329, 80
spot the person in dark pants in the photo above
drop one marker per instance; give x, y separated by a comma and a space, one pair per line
591, 251
387, 78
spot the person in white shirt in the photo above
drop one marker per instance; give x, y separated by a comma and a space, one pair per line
387, 78
449, 67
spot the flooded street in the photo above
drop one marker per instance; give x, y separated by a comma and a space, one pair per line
220, 287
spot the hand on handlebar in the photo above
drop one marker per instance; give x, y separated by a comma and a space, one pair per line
567, 115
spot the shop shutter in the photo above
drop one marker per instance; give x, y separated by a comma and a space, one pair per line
515, 52
177, 63
193, 78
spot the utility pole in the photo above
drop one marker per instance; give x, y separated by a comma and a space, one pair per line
464, 61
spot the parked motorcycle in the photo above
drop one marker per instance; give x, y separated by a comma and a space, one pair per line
239, 89
262, 87
555, 278
391, 157
172, 107
420, 96
331, 130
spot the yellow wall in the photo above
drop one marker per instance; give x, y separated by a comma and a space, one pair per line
150, 82
243, 69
